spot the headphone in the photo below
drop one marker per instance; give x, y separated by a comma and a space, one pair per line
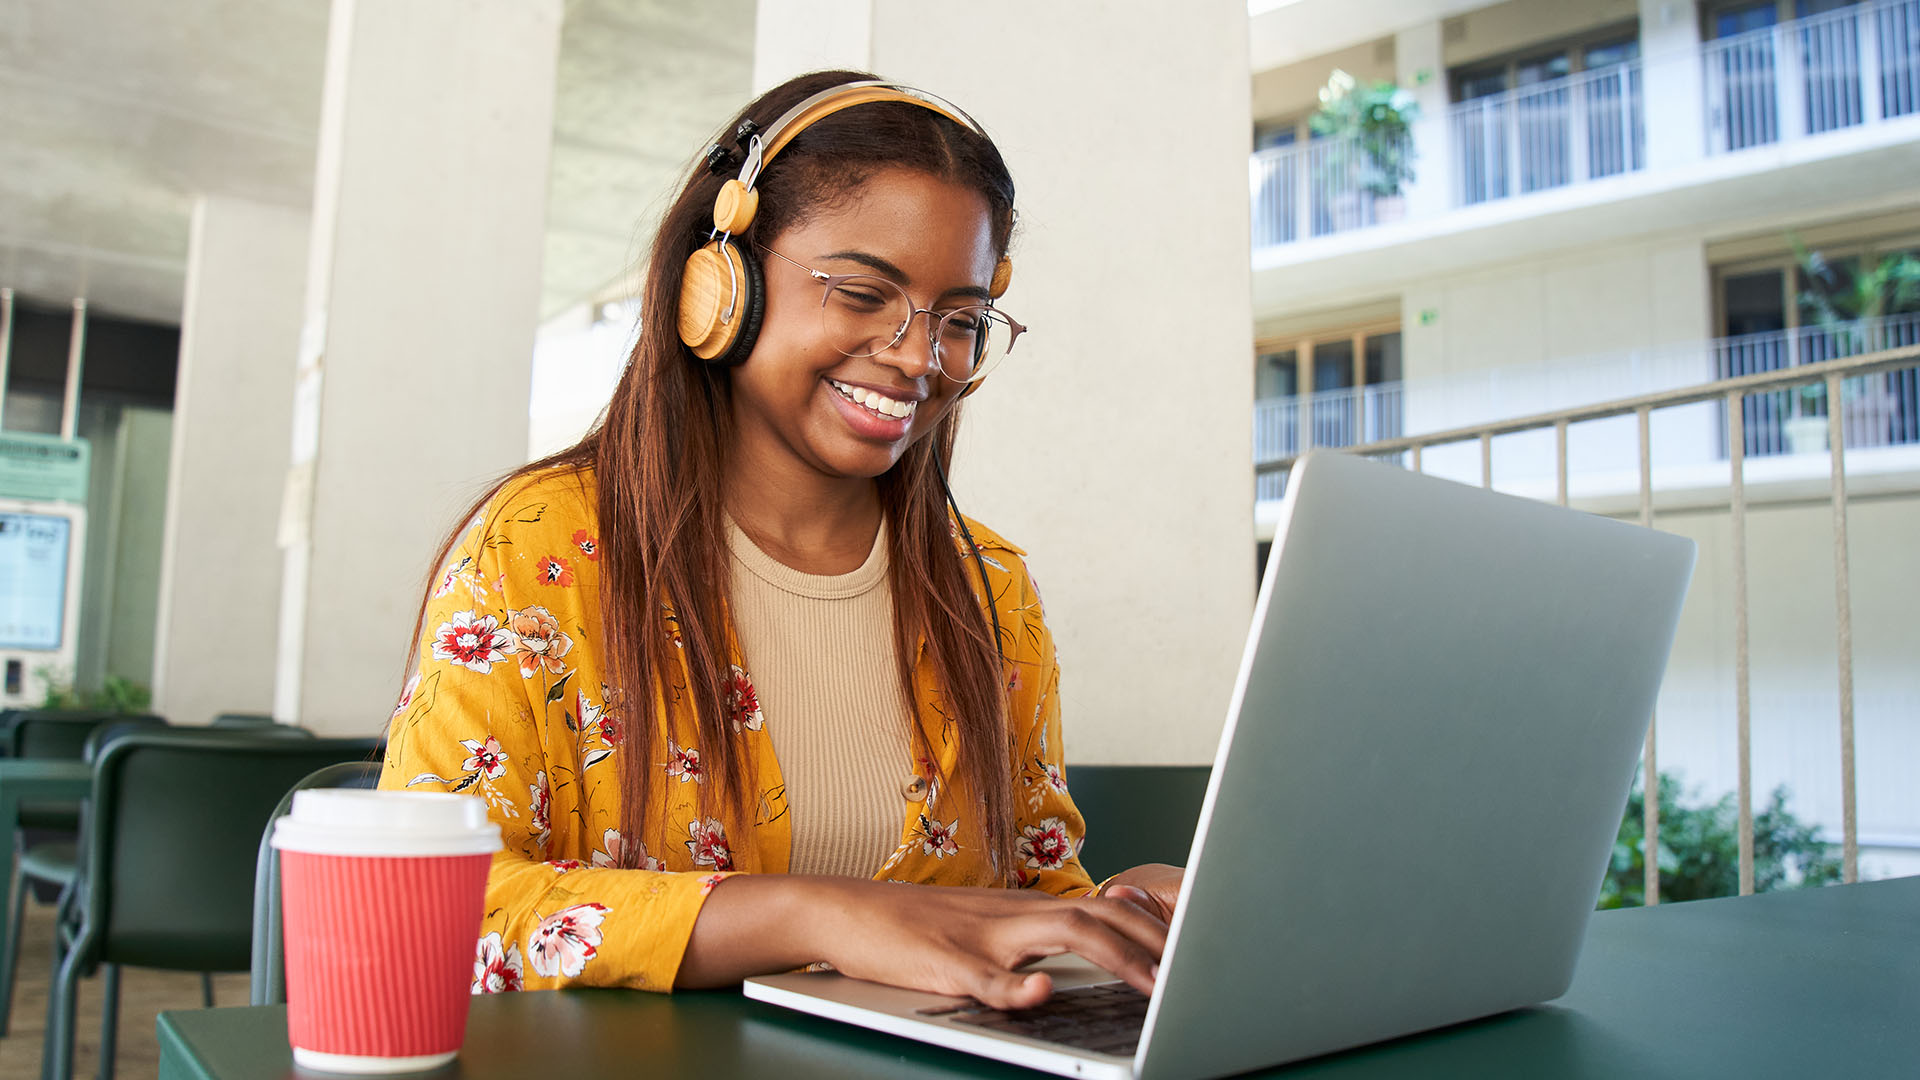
722, 295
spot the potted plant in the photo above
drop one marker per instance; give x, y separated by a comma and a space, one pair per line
1376, 118
1850, 306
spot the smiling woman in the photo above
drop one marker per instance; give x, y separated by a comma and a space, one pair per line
732, 669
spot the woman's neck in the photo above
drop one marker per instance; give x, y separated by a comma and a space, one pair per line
811, 523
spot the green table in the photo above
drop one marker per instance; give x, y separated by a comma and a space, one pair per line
29, 780
1816, 983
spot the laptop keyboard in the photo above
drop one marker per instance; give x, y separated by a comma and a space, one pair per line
1106, 1018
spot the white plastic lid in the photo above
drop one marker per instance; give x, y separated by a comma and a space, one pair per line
349, 821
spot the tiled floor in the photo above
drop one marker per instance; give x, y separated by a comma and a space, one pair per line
143, 995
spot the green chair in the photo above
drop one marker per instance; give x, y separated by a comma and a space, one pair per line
269, 984
167, 859
241, 719
1137, 813
43, 844
62, 733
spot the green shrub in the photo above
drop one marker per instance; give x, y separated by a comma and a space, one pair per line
117, 694
1700, 849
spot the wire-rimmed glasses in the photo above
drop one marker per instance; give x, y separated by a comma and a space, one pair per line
865, 315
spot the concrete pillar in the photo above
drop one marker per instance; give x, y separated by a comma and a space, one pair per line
422, 297
1116, 444
1420, 67
219, 566
1674, 95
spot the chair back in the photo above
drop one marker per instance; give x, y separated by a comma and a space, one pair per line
171, 836
1137, 813
269, 983
241, 719
62, 733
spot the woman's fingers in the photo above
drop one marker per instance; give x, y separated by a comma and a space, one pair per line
1079, 929
1003, 989
1136, 920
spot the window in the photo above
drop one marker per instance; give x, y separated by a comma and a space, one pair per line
1327, 388
1548, 118
1771, 317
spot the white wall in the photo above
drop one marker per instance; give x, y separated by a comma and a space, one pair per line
1577, 303
423, 293
220, 579
1114, 445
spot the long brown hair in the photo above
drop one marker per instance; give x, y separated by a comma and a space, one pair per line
659, 452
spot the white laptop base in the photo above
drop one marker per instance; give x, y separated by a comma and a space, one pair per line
926, 1017
1425, 761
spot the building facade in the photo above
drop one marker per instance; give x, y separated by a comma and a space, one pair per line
1596, 200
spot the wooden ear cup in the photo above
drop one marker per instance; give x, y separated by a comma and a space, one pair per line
1002, 277
706, 289
734, 207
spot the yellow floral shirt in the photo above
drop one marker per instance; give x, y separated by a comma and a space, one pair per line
511, 704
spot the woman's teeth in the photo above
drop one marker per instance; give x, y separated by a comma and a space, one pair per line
878, 403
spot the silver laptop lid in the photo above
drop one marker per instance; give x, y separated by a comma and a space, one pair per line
1425, 762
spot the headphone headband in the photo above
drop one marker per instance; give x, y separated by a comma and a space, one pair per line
763, 147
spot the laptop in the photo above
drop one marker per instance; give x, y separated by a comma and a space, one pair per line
1426, 757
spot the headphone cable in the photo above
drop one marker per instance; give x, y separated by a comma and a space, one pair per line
986, 588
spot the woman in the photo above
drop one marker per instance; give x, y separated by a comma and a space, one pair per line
726, 672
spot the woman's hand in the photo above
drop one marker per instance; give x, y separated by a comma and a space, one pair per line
1154, 887
964, 942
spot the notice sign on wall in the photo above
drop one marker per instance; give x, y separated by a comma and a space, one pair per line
43, 467
33, 579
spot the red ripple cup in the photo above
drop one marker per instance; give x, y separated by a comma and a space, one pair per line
382, 895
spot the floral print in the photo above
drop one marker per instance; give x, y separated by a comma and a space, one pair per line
511, 702
614, 849
472, 640
937, 839
1047, 844
565, 940
743, 705
539, 641
709, 844
541, 803
497, 970
484, 757
1055, 776
684, 763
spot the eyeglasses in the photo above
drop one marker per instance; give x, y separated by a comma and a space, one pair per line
864, 315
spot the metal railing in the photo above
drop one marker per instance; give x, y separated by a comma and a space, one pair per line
1821, 73
1733, 392
1340, 417
1314, 189
1881, 410
1550, 134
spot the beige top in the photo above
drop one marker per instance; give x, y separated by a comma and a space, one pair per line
821, 654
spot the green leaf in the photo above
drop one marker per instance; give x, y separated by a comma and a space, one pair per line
559, 689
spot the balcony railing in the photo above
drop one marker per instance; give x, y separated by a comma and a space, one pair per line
1822, 73
1548, 135
1831, 72
1314, 189
1731, 395
1880, 410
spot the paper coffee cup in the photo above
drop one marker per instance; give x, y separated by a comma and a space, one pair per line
382, 895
